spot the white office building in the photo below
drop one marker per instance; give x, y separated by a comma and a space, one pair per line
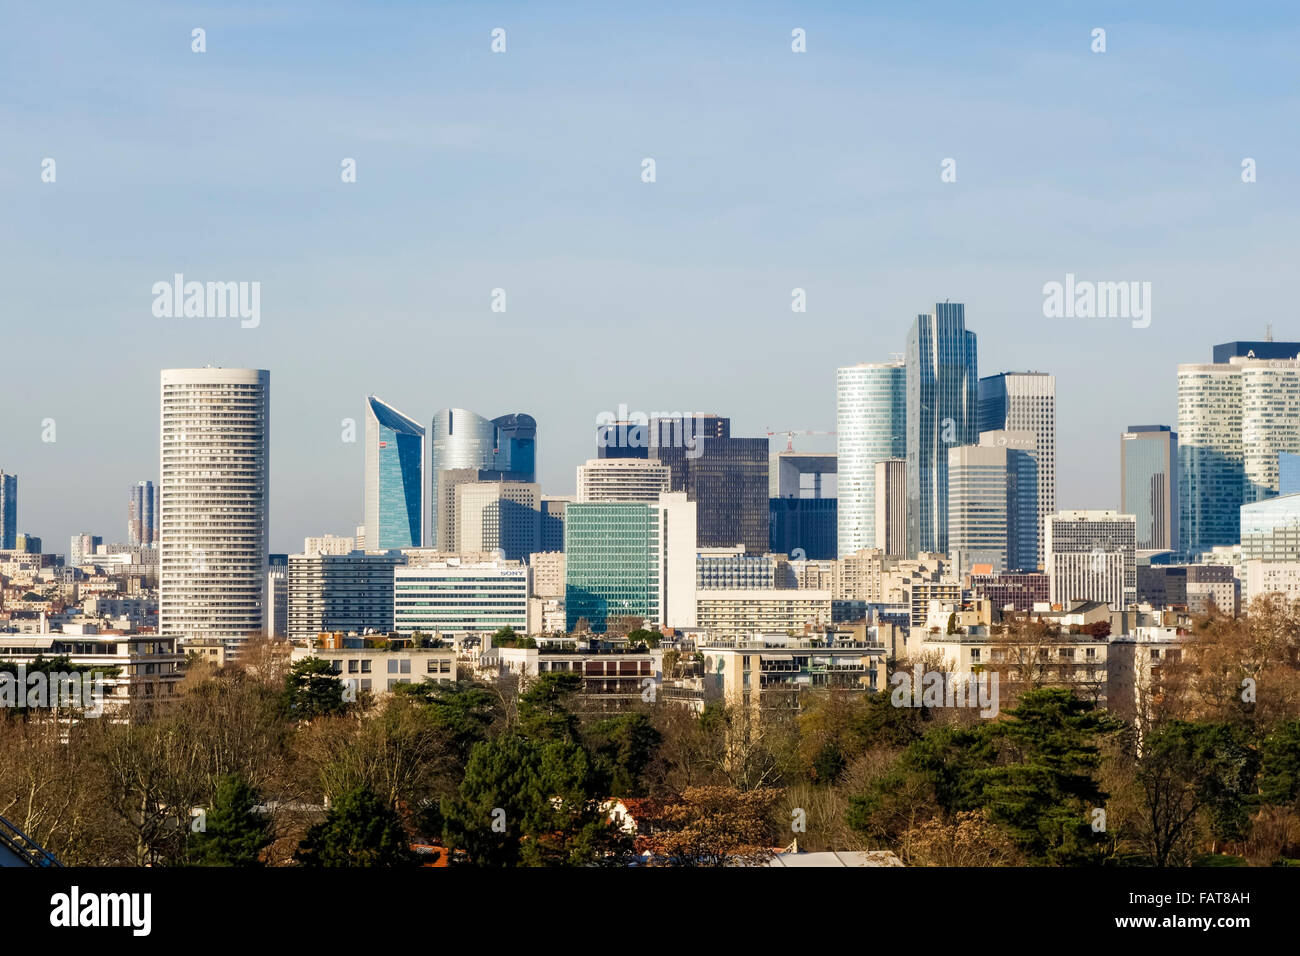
1092, 556
623, 479
870, 426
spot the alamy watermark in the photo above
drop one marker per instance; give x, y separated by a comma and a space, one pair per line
942, 689
208, 300
1098, 300
635, 429
81, 690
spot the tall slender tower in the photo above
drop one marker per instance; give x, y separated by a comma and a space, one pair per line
942, 413
1148, 463
870, 427
213, 503
142, 516
394, 481
1026, 402
8, 510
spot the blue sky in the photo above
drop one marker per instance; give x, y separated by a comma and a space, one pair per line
521, 171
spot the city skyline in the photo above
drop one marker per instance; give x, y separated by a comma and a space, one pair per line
532, 175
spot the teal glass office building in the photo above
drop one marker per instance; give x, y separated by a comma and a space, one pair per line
394, 484
612, 557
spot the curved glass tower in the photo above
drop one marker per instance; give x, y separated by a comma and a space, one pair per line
870, 426
463, 446
394, 484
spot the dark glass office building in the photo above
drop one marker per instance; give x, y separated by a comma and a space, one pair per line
942, 413
804, 527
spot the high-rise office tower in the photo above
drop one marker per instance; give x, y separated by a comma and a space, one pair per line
623, 479
551, 536
213, 503
726, 477
1235, 420
8, 510
394, 481
495, 449
870, 427
993, 502
1091, 556
1148, 466
498, 515
802, 505
1026, 402
631, 559
142, 516
942, 412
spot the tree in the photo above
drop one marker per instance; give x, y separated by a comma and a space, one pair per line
531, 803
234, 833
546, 707
623, 747
1044, 784
713, 826
358, 830
312, 689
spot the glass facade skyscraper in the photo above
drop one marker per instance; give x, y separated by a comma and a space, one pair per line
1148, 463
8, 510
870, 426
942, 412
394, 481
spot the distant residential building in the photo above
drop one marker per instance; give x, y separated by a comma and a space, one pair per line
148, 665
277, 601
548, 573
82, 546
329, 544
28, 543
1271, 577
380, 670
733, 569
1194, 586
1019, 590
611, 679
1091, 556
340, 592
623, 479
1148, 464
1026, 402
741, 612
142, 516
213, 504
769, 670
870, 427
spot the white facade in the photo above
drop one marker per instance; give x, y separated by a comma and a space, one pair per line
452, 596
623, 479
1031, 407
1092, 556
677, 566
1271, 577
213, 508
328, 544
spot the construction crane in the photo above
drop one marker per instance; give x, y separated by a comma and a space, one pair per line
789, 435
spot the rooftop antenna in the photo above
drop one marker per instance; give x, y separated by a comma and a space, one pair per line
1268, 332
